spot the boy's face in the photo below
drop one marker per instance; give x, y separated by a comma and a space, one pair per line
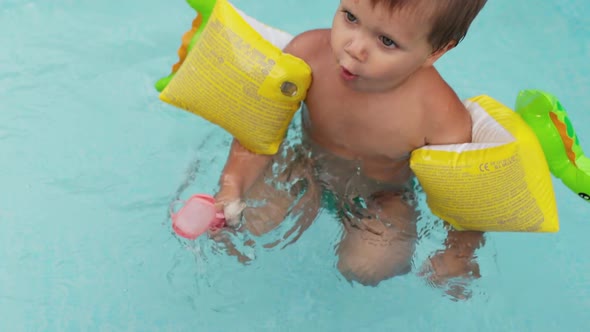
377, 49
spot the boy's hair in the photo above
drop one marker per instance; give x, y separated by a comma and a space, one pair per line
450, 18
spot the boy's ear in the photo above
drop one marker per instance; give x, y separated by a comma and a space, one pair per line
440, 52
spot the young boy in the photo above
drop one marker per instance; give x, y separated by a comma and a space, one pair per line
375, 97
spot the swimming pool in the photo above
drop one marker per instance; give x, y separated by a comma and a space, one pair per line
91, 159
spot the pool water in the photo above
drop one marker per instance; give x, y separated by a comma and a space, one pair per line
91, 160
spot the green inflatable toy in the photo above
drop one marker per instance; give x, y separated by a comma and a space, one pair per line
204, 9
548, 119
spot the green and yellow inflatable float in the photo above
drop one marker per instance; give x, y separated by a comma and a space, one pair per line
232, 72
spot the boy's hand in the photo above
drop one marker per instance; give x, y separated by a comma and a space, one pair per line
448, 264
232, 211
455, 266
241, 170
229, 202
452, 270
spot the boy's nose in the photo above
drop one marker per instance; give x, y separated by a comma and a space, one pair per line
356, 50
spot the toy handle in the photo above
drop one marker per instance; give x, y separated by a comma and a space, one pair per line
173, 206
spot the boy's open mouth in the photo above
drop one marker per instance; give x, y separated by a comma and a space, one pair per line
347, 75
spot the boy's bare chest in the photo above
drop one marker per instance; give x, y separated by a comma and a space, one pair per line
363, 126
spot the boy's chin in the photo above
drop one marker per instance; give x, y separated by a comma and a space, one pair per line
361, 85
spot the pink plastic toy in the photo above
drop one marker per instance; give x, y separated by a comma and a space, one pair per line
196, 216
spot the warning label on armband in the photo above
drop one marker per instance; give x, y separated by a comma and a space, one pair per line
226, 78
492, 195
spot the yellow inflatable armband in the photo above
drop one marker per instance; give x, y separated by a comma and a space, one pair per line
499, 182
236, 78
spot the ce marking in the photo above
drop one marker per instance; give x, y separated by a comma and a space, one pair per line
484, 167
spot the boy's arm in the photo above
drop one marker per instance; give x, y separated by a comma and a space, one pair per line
242, 168
452, 124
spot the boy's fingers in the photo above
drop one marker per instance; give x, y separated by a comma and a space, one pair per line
219, 206
232, 211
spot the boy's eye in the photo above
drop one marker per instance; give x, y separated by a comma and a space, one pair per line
349, 16
388, 42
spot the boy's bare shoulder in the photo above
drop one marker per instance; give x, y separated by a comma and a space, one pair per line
309, 44
449, 121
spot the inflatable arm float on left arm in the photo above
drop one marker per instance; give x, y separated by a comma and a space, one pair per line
232, 72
